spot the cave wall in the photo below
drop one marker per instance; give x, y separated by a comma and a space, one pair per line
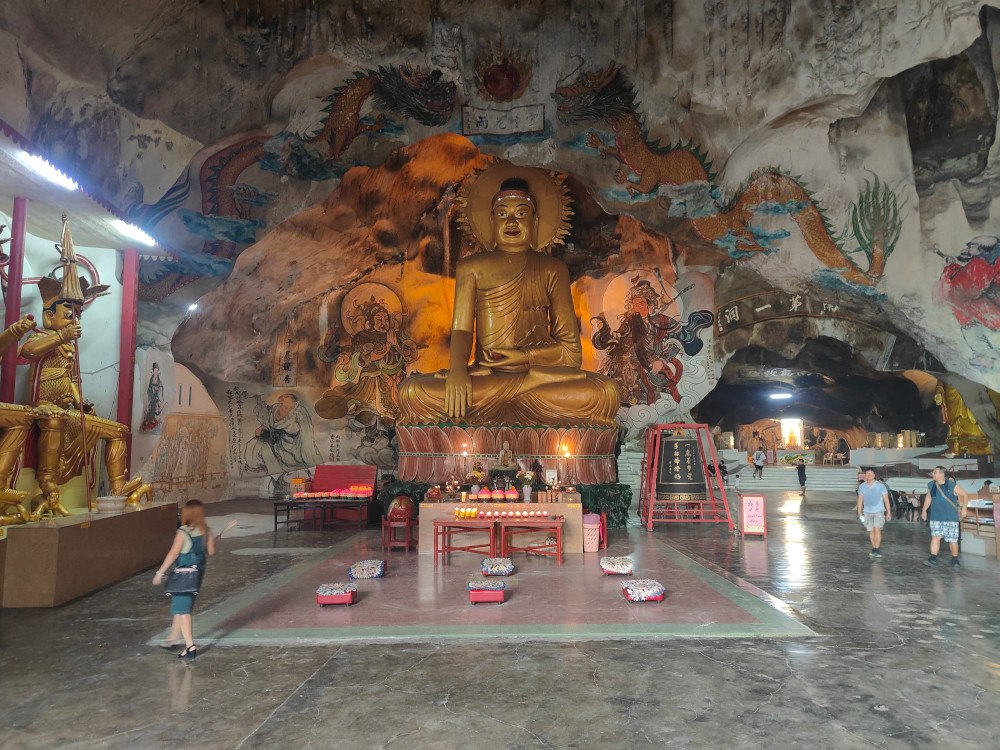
843, 151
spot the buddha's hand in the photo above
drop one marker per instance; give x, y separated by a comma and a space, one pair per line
457, 392
505, 358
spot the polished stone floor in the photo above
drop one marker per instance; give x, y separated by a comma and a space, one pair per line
901, 656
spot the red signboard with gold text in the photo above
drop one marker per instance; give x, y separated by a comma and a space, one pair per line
753, 515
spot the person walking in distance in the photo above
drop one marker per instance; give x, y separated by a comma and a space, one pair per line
759, 459
874, 510
945, 500
800, 468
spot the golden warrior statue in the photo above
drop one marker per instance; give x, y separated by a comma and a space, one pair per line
69, 431
516, 300
15, 424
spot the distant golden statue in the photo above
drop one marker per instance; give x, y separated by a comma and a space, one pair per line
517, 301
964, 433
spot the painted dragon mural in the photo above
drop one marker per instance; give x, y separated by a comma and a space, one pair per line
224, 219
607, 98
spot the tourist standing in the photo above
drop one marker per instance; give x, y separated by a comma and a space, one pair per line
945, 500
800, 468
759, 459
193, 542
873, 507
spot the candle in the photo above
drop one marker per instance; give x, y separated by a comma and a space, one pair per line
465, 496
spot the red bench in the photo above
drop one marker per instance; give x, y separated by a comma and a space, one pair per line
327, 478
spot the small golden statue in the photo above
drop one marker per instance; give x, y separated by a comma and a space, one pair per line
516, 298
69, 431
15, 424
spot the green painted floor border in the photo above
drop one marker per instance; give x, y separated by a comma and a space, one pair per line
772, 622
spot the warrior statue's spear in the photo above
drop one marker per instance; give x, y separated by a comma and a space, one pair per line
73, 291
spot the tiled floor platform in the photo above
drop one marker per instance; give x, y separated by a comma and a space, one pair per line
418, 600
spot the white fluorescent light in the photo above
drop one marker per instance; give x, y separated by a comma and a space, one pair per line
133, 232
192, 307
42, 168
780, 396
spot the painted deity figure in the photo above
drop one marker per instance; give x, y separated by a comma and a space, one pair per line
283, 440
643, 353
69, 430
154, 400
970, 283
514, 312
16, 422
368, 374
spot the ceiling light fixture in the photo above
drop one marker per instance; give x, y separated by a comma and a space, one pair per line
780, 396
42, 168
132, 232
192, 307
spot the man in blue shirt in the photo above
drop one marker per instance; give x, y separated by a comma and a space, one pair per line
873, 507
944, 499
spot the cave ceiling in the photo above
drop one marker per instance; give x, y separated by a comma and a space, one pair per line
821, 175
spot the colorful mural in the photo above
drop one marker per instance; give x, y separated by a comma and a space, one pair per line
369, 366
683, 174
970, 283
224, 217
190, 458
645, 347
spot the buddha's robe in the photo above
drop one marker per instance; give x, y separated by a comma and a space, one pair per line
533, 312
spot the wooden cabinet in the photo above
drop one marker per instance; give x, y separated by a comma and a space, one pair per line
978, 516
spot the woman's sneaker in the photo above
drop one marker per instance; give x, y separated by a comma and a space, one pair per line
931, 562
955, 563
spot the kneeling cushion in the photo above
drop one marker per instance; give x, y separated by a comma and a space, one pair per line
497, 566
483, 584
643, 590
367, 569
619, 566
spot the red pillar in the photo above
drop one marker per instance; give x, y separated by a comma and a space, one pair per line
12, 310
126, 349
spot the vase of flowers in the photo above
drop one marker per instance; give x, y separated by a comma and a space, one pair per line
476, 476
525, 479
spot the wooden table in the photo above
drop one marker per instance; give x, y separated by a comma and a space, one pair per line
572, 530
510, 528
322, 506
445, 529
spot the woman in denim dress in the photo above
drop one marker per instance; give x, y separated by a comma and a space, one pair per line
192, 545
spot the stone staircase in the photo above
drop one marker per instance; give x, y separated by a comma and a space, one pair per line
818, 478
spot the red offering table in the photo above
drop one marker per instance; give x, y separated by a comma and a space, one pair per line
445, 529
511, 528
572, 530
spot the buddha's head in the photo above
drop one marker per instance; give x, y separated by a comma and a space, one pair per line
514, 218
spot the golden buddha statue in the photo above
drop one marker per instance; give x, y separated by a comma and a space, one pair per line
15, 424
69, 430
964, 433
515, 301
